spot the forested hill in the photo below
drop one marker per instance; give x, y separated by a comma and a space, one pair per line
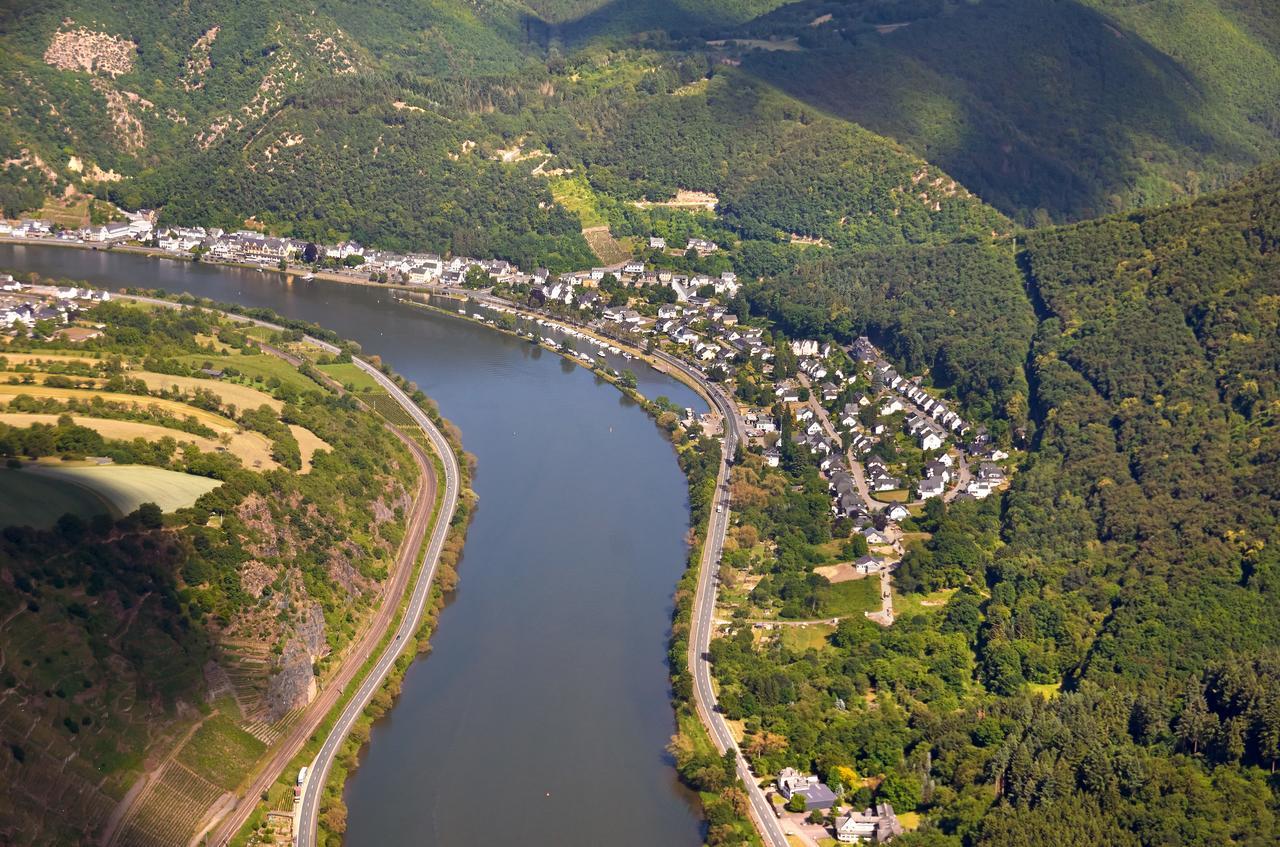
1048, 109
1157, 371
1106, 662
504, 129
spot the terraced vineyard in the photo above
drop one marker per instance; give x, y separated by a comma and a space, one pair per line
171, 809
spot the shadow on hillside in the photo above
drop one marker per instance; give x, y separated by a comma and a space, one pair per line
629, 17
1032, 104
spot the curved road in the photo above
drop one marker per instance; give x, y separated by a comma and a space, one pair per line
323, 763
704, 604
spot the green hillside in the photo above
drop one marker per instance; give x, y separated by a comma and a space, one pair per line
390, 124
1108, 647
1048, 110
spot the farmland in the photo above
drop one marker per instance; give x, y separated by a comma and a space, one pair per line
126, 487
32, 500
252, 448
154, 655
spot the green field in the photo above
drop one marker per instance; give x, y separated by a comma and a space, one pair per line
254, 366
802, 638
35, 500
576, 195
221, 752
849, 598
913, 604
126, 487
351, 376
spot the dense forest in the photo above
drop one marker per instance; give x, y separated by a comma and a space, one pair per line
956, 311
1097, 651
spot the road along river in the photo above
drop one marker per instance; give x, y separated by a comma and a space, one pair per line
543, 712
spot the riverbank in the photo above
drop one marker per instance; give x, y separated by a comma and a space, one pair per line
430, 568
558, 551
157, 253
695, 742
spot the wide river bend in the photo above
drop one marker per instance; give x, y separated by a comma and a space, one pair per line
542, 713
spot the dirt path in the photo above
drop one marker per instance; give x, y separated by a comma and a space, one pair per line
885, 616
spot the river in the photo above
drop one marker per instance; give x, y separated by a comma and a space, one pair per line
542, 713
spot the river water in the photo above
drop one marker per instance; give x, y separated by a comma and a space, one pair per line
542, 713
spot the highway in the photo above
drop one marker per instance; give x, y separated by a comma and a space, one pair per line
704, 603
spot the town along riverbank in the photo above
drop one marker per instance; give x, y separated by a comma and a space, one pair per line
548, 671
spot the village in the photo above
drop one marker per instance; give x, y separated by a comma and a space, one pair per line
885, 443
53, 309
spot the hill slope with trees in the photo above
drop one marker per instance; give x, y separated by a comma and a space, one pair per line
1096, 652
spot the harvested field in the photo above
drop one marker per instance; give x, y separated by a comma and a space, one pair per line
173, 407
308, 444
241, 396
29, 358
127, 487
253, 449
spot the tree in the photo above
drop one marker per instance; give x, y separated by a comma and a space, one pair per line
627, 379
1269, 729
150, 516
310, 253
476, 278
796, 803
1196, 725
902, 791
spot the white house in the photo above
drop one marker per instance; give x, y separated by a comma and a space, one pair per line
930, 440
929, 488
876, 825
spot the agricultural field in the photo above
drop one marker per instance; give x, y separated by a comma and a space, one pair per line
173, 407
849, 598
28, 499
308, 444
351, 377
252, 448
126, 487
159, 659
256, 369
242, 396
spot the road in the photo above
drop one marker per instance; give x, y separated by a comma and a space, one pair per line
704, 603
416, 529
855, 467
409, 624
